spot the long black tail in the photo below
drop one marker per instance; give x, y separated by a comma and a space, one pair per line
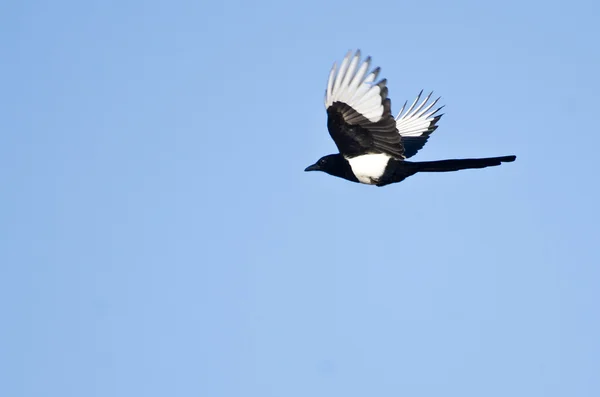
401, 170
462, 164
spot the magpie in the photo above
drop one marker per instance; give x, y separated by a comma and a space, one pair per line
373, 145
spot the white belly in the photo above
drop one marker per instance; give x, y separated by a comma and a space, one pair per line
369, 167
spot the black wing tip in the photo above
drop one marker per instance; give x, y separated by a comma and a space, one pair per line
387, 106
508, 159
432, 126
375, 72
383, 92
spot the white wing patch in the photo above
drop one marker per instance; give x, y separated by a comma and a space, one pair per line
416, 121
369, 168
351, 85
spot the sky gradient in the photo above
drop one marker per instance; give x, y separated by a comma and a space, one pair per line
158, 236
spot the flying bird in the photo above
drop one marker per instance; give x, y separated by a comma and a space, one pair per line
373, 145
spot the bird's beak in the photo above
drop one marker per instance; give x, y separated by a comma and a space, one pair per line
313, 167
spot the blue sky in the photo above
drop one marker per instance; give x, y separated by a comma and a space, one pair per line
159, 236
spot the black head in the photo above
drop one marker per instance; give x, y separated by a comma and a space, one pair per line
334, 164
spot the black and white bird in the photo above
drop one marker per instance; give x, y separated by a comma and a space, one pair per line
373, 145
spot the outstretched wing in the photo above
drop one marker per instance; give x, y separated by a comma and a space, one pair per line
359, 111
417, 123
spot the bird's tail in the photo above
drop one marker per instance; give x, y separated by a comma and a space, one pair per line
462, 164
404, 169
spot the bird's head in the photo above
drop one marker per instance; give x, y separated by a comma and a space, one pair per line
324, 164
333, 164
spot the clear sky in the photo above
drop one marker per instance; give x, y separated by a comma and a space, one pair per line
158, 236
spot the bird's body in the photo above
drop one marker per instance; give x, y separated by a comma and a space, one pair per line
372, 144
